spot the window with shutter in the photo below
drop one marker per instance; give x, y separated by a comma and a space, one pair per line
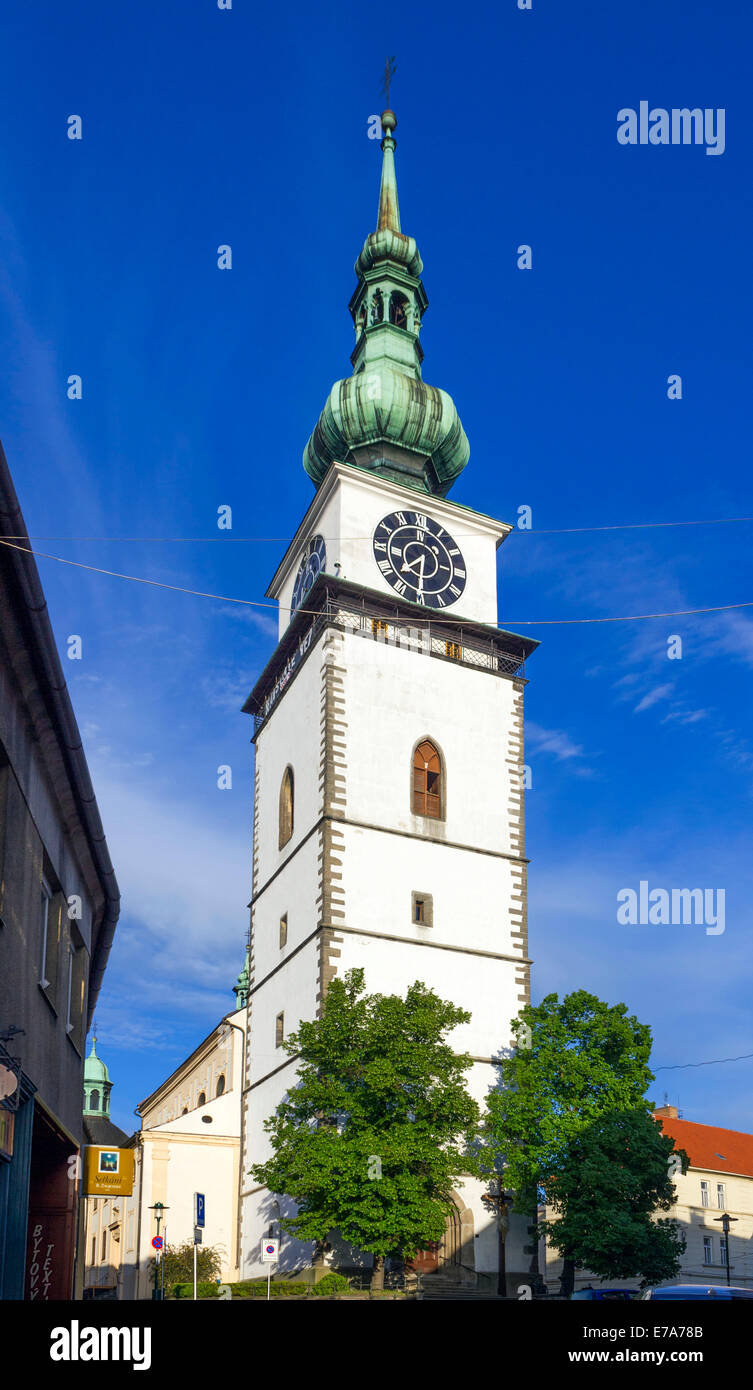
427, 781
286, 807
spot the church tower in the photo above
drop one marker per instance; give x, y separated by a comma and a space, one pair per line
388, 780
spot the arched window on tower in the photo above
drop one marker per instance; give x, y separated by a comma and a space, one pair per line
428, 781
377, 307
398, 309
94, 1100
202, 1098
220, 1086
361, 320
286, 807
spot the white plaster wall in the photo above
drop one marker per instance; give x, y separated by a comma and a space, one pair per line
485, 988
393, 698
200, 1167
347, 515
294, 892
290, 736
472, 893
292, 991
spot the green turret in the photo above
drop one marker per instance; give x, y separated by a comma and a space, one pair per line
384, 417
243, 984
97, 1085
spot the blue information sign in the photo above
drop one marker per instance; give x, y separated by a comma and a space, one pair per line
199, 1209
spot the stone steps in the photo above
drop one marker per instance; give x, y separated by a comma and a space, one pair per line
466, 1293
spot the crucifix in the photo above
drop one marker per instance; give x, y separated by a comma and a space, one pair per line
389, 73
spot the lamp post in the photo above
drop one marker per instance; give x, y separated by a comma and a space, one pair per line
158, 1209
500, 1203
726, 1219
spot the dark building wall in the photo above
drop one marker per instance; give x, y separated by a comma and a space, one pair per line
59, 905
35, 848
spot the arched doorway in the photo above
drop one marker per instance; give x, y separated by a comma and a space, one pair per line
453, 1255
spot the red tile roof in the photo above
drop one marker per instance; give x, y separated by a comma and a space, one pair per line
722, 1150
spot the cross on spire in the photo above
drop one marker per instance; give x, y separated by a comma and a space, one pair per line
389, 73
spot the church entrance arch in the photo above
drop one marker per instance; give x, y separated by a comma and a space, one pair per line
453, 1255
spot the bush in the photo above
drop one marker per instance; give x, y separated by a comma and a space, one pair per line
257, 1288
331, 1286
178, 1261
203, 1290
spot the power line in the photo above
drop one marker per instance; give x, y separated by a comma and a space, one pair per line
635, 526
459, 535
715, 1062
395, 622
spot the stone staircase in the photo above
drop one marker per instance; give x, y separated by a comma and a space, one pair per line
435, 1288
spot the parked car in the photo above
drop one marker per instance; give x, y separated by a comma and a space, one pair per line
620, 1294
682, 1291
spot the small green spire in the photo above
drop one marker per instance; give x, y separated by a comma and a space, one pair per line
243, 984
97, 1084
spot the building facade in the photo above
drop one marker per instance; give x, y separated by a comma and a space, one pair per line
189, 1141
59, 905
389, 827
719, 1179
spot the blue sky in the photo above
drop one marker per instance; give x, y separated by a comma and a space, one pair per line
200, 388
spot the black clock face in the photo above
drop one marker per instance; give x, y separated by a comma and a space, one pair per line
314, 560
419, 559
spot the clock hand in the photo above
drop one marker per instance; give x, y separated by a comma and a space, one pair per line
416, 563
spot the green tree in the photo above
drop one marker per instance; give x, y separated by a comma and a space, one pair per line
379, 1127
179, 1264
614, 1177
573, 1061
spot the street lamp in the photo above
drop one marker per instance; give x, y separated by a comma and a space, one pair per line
725, 1220
500, 1203
159, 1267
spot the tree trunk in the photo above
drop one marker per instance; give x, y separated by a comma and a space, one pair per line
567, 1281
377, 1275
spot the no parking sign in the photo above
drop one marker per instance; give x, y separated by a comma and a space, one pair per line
269, 1251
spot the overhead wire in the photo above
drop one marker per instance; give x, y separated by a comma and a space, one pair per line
436, 615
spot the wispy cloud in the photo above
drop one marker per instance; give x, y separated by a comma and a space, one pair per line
554, 741
660, 692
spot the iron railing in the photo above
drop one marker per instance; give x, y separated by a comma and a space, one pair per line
431, 638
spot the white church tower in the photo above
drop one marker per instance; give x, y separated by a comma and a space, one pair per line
388, 784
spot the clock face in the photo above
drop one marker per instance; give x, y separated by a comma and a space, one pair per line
313, 561
419, 559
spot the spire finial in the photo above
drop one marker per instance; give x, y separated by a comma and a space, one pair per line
389, 73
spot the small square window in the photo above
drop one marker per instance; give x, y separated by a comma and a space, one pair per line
283, 931
422, 909
279, 1030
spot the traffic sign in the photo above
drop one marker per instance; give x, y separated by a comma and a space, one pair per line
157, 1242
269, 1251
199, 1208
197, 1235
